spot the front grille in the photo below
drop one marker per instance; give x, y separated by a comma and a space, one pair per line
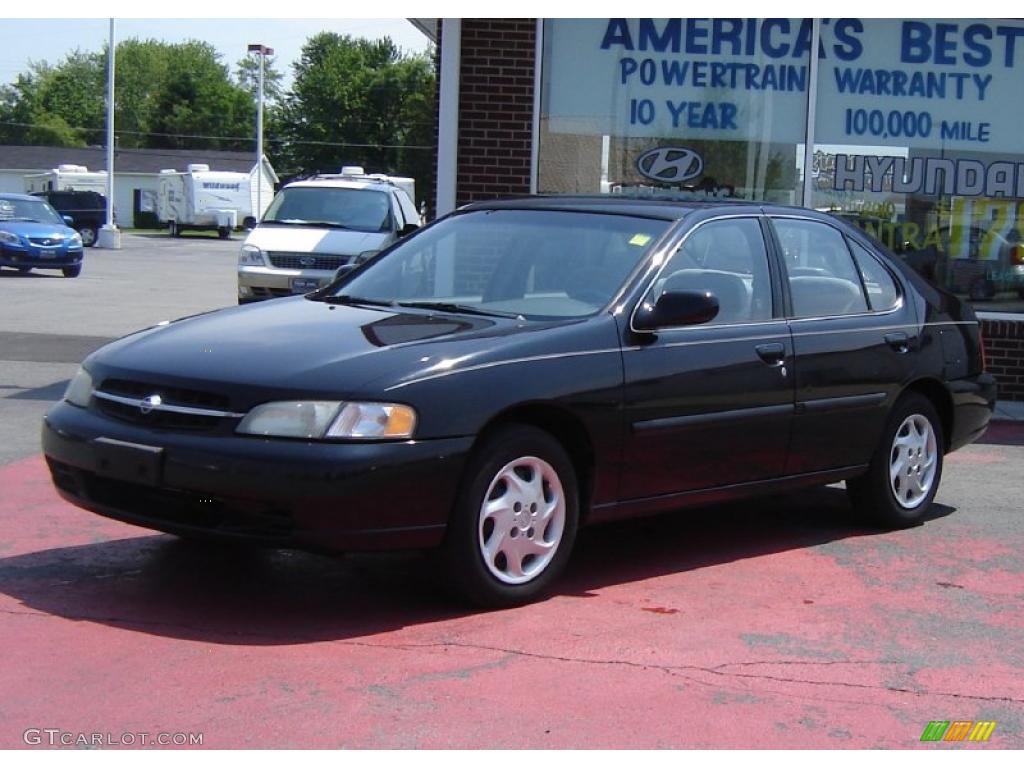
171, 396
291, 260
46, 240
270, 293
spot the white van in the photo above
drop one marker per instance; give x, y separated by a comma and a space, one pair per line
315, 226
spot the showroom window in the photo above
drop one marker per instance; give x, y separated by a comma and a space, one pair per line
916, 127
704, 107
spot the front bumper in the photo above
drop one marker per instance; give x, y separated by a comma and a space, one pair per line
39, 258
255, 283
318, 496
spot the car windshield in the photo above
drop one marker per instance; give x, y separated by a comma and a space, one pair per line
532, 263
365, 210
28, 210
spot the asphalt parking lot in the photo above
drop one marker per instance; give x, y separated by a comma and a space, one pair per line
775, 623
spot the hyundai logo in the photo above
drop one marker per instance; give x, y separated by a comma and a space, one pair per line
670, 164
149, 403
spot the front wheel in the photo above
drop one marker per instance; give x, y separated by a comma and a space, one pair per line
74, 271
515, 521
905, 471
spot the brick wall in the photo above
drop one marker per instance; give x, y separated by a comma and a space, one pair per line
496, 108
1004, 354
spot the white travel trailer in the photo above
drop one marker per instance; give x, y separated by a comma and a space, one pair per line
67, 177
199, 198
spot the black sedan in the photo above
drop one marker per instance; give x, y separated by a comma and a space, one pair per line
523, 367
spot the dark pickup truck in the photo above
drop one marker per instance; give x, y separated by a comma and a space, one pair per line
88, 210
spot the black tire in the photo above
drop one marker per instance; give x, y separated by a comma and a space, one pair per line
74, 271
874, 494
88, 233
519, 449
23, 270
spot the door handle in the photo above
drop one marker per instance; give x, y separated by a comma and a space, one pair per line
773, 354
898, 341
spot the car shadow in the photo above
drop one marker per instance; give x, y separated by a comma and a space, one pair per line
14, 274
165, 586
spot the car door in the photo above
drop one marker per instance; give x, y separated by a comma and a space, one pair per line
854, 337
710, 405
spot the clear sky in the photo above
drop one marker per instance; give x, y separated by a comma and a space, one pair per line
24, 40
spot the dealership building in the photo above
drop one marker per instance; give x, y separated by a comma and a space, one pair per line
909, 128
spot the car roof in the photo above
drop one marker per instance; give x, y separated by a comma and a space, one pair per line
380, 186
648, 206
17, 196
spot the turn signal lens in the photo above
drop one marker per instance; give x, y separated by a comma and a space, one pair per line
370, 421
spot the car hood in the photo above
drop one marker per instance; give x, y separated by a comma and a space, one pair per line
36, 229
342, 242
299, 347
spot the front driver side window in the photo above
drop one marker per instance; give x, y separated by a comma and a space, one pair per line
728, 258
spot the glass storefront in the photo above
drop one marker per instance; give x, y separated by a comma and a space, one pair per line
916, 127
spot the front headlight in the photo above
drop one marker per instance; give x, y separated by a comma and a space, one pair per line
75, 241
10, 239
318, 419
79, 389
251, 256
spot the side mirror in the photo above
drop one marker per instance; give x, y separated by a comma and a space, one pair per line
676, 308
344, 269
68, 220
408, 229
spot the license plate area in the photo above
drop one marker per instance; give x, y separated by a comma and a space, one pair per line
128, 462
304, 284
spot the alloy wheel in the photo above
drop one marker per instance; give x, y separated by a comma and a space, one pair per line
521, 520
913, 461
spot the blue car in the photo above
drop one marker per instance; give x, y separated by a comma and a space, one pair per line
34, 236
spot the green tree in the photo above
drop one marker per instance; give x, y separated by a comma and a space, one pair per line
166, 95
248, 77
199, 105
360, 102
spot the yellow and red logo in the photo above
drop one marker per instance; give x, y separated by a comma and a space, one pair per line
958, 730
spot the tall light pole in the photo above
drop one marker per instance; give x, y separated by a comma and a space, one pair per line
109, 236
262, 51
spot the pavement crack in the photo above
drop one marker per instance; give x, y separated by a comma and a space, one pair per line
677, 670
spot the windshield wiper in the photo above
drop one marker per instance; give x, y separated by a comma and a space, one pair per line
346, 299
304, 223
447, 306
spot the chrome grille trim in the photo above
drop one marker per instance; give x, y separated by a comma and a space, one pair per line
293, 260
140, 403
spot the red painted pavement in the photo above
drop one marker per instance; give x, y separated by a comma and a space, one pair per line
768, 624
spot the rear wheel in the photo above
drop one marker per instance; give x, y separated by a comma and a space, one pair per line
515, 521
905, 471
88, 233
74, 271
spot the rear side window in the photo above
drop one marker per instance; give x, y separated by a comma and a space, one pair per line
823, 280
883, 294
